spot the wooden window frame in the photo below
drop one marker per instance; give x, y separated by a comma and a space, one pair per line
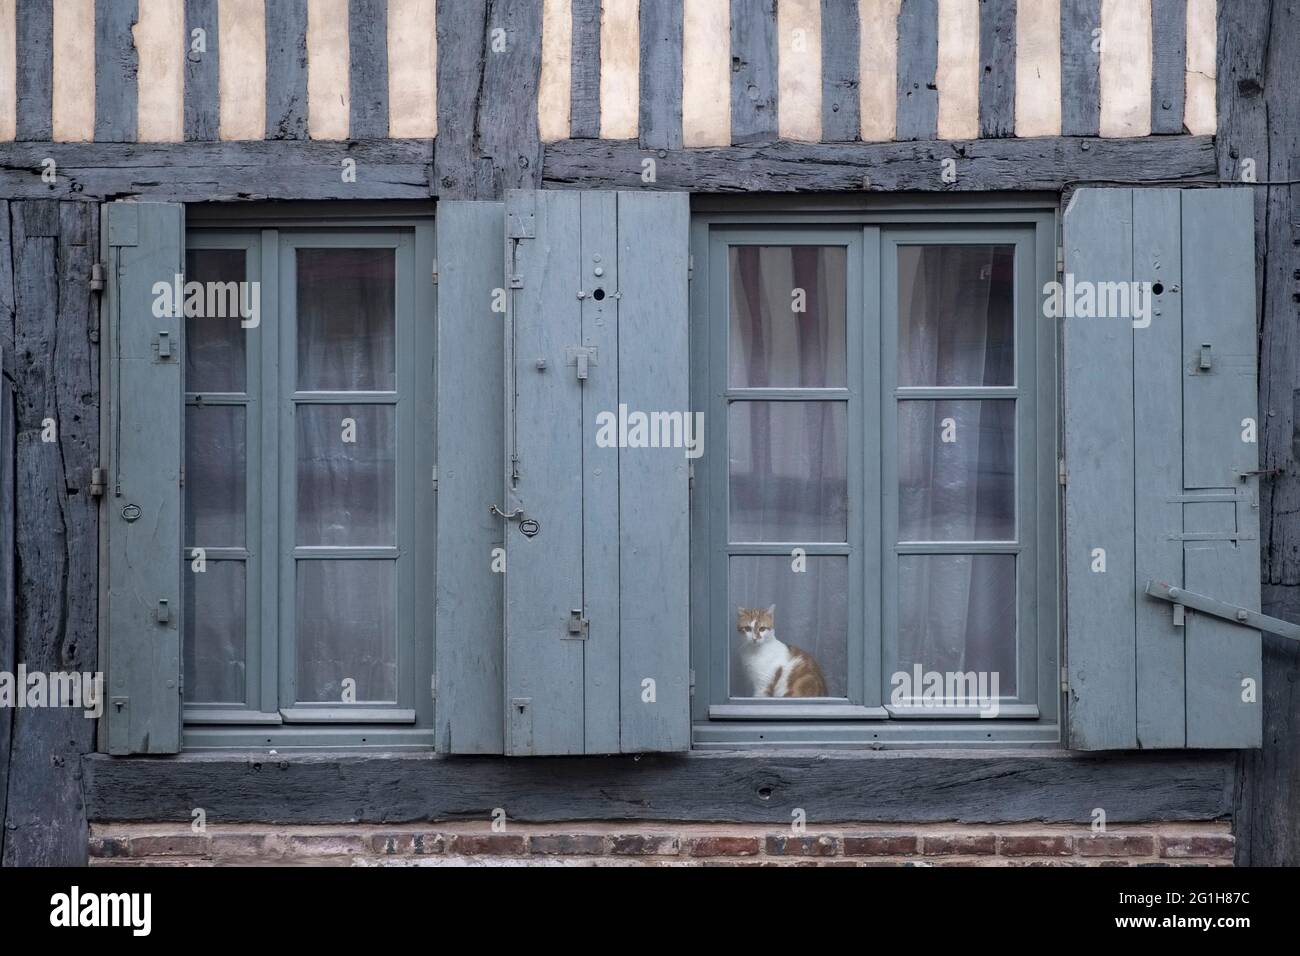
1033, 718
269, 236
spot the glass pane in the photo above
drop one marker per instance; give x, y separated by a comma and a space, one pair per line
215, 641
216, 470
787, 316
215, 340
957, 614
807, 614
789, 471
956, 315
346, 320
956, 470
347, 475
347, 628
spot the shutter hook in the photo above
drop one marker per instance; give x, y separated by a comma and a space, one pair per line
517, 513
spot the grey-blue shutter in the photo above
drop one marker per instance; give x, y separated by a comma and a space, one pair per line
596, 600
143, 361
469, 646
1159, 471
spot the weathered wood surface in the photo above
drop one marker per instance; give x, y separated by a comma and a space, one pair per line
286, 69
1080, 67
661, 75
584, 76
368, 70
203, 172
8, 647
1168, 64
1047, 163
116, 63
487, 99
970, 787
918, 59
753, 71
1259, 120
841, 104
998, 68
202, 94
56, 542
34, 48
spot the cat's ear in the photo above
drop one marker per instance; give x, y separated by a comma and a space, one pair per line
771, 610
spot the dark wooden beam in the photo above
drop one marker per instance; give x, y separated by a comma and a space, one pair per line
1168, 64
997, 67
1022, 164
661, 74
202, 93
584, 71
34, 49
286, 69
1080, 67
368, 68
858, 786
202, 172
841, 104
56, 521
1259, 128
116, 66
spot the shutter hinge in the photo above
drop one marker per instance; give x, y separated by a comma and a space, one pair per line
97, 277
692, 682
435, 271
433, 687
1060, 260
182, 476
1065, 680
690, 476
435, 478
578, 625
1060, 471
97, 478
690, 268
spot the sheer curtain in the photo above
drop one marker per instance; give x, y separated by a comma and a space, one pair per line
957, 612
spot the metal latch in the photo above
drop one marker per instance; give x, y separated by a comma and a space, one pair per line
97, 277
163, 614
582, 358
578, 625
164, 345
1181, 598
1205, 357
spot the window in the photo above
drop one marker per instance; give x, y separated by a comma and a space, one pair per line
885, 394
307, 528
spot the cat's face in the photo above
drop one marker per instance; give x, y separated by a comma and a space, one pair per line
755, 625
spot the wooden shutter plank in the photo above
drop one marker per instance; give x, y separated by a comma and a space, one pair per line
1099, 450
600, 467
1158, 426
469, 651
544, 667
654, 531
145, 244
1218, 250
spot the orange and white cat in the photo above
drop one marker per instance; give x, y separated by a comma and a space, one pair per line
774, 669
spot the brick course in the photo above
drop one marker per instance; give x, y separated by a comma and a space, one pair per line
662, 844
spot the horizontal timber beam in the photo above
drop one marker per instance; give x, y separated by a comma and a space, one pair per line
1050, 163
857, 786
205, 172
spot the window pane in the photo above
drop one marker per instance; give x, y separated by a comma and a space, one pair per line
216, 450
956, 470
956, 309
346, 320
214, 632
347, 628
957, 613
789, 471
810, 612
347, 475
787, 316
215, 341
